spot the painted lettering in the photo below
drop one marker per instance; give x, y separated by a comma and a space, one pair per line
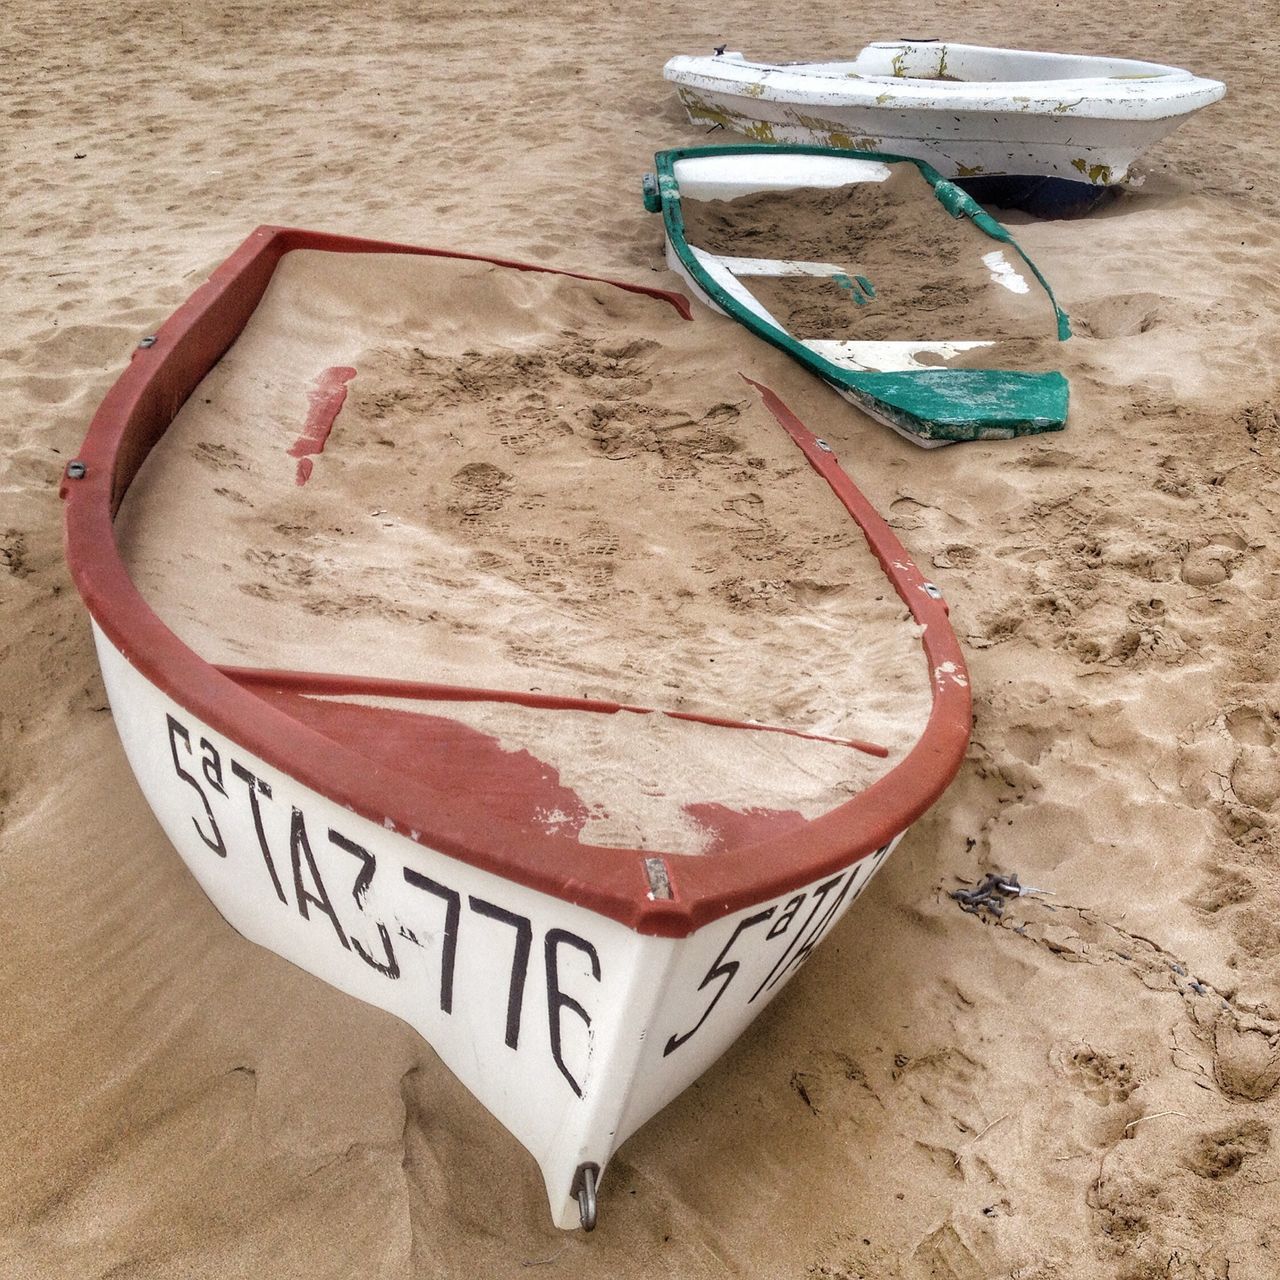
819, 897
783, 922
719, 969
214, 841
364, 878
300, 850
805, 950
449, 949
558, 1001
259, 787
211, 763
519, 961
311, 896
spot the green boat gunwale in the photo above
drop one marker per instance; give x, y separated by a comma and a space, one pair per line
1044, 395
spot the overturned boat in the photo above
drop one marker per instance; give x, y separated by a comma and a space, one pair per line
887, 281
1046, 132
355, 657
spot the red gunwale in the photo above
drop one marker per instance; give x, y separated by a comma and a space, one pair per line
612, 882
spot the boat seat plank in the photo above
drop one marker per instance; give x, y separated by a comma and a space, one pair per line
886, 357
781, 267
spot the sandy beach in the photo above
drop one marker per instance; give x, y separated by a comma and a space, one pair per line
1083, 1089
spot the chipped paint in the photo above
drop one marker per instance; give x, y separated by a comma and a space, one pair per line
968, 170
1004, 273
1098, 174
701, 111
844, 142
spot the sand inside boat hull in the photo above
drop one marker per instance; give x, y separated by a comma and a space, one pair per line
445, 471
908, 269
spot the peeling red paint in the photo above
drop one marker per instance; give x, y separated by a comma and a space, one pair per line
731, 827
325, 402
484, 779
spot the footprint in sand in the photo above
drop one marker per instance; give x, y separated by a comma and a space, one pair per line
1246, 1060
1208, 566
944, 1253
1255, 777
481, 489
1253, 726
1222, 1153
908, 513
1224, 886
1122, 316
1100, 1075
1261, 421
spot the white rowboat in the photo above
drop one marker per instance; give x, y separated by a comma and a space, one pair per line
413, 863
981, 115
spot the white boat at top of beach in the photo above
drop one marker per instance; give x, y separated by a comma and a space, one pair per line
579, 901
975, 113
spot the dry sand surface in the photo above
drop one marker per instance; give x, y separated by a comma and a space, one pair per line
1085, 1088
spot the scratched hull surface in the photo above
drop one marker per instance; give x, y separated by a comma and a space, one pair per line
968, 110
574, 995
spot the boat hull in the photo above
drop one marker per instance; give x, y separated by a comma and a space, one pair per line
570, 1028
955, 145
930, 406
1080, 120
574, 989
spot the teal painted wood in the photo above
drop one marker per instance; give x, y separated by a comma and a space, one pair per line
938, 404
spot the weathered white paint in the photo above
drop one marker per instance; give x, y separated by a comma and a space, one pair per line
780, 267
720, 178
997, 112
715, 267
639, 993
1004, 273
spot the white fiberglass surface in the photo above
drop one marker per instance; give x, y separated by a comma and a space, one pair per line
941, 63
729, 176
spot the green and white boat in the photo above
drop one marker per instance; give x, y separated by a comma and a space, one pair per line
878, 274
